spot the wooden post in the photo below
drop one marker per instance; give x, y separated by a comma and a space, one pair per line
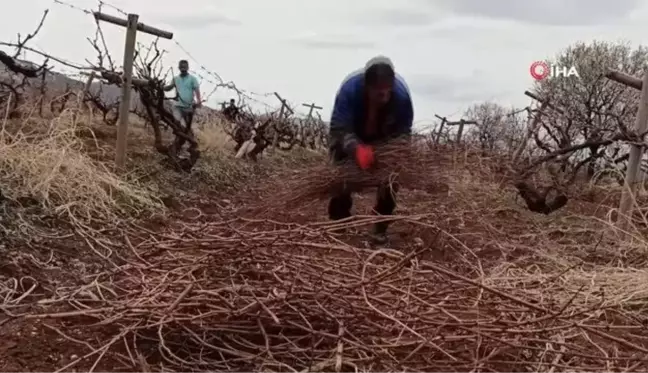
624, 79
461, 123
284, 105
275, 138
124, 105
132, 26
438, 137
282, 116
460, 130
308, 125
140, 26
444, 121
312, 107
630, 185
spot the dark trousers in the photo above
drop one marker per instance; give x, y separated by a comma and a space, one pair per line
340, 205
185, 117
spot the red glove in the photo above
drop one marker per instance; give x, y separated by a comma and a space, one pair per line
364, 156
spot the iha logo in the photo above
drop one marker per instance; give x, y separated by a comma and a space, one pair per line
541, 70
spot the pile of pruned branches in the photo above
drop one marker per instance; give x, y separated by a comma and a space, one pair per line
251, 295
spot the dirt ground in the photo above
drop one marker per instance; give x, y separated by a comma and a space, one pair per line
46, 343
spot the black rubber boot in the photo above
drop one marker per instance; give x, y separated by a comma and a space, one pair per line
378, 234
340, 208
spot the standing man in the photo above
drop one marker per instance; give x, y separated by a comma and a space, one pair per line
372, 105
231, 112
186, 85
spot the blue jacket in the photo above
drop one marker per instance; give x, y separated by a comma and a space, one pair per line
347, 126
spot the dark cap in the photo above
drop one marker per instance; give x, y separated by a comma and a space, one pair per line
379, 70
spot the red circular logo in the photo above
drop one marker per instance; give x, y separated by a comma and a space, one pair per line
539, 70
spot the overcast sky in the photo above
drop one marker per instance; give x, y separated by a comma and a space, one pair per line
453, 53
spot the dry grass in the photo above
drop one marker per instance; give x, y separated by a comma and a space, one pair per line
218, 166
212, 137
50, 167
60, 168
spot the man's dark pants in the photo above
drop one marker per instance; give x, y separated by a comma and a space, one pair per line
340, 205
185, 117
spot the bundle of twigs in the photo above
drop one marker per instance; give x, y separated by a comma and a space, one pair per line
396, 162
241, 297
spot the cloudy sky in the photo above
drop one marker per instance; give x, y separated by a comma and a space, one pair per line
453, 53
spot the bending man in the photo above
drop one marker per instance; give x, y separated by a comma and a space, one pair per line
372, 105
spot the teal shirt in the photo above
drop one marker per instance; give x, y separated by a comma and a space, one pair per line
185, 87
